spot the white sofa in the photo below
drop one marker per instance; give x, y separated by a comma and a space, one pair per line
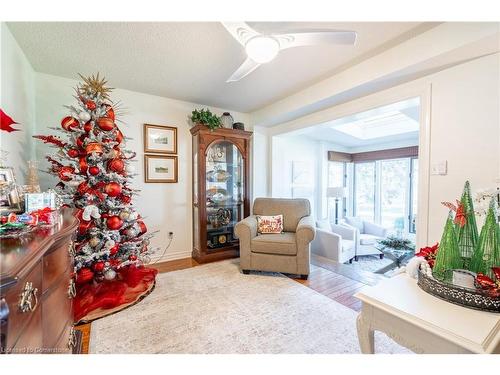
367, 235
335, 242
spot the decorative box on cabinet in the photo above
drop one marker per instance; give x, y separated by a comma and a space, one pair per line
221, 190
36, 290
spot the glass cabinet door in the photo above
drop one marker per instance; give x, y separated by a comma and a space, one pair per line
224, 195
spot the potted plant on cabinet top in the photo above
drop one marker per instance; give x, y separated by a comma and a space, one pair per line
205, 117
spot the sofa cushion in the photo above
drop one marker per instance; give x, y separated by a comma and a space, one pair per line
356, 222
282, 244
368, 239
292, 210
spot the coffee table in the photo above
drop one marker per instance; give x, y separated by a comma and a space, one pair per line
421, 322
399, 257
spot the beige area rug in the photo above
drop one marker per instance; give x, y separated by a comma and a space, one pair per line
214, 308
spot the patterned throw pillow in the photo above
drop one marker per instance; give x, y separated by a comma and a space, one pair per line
269, 224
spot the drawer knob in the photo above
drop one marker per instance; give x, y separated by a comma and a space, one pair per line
28, 300
71, 289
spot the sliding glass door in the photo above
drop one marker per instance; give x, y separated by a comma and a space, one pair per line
364, 190
394, 193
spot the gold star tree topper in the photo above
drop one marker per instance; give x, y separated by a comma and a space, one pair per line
94, 85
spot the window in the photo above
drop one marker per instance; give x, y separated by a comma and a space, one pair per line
385, 192
364, 190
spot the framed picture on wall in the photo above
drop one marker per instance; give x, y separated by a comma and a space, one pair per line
9, 196
159, 168
160, 139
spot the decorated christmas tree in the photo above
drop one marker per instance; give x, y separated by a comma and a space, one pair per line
94, 172
487, 254
448, 257
467, 228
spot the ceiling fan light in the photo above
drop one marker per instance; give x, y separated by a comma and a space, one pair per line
262, 49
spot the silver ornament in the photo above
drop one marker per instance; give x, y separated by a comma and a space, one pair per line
84, 116
110, 274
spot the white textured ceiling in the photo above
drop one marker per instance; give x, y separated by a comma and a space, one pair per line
192, 60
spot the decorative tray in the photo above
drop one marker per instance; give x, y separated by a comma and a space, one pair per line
471, 298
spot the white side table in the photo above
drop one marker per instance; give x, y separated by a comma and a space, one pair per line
421, 322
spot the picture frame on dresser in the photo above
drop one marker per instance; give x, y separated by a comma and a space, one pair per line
161, 168
160, 139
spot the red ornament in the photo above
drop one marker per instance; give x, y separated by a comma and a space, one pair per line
142, 227
119, 136
105, 123
94, 147
125, 198
84, 275
116, 165
90, 105
113, 189
98, 267
69, 123
88, 126
94, 171
73, 153
114, 223
64, 173
80, 140
110, 112
83, 188
132, 257
83, 164
114, 249
492, 287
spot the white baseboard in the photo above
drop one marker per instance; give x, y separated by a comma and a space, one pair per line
171, 256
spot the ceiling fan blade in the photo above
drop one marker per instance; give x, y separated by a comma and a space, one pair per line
240, 31
315, 37
245, 69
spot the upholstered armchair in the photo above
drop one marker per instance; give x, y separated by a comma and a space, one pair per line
335, 242
367, 236
287, 252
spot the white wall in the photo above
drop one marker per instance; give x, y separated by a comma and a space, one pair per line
17, 99
462, 105
166, 207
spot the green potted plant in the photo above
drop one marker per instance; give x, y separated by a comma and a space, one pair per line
205, 117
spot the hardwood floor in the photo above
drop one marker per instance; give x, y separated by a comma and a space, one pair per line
336, 281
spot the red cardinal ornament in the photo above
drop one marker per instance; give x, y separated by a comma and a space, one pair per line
69, 123
105, 123
460, 218
6, 121
116, 165
110, 112
113, 189
84, 275
114, 222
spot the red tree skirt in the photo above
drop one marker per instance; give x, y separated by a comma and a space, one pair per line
95, 300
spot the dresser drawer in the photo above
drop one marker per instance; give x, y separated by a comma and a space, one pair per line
63, 345
56, 312
56, 263
30, 341
27, 290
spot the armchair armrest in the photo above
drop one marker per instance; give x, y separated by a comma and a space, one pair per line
345, 231
246, 229
306, 230
374, 229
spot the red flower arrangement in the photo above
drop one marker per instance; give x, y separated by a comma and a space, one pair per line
486, 283
429, 253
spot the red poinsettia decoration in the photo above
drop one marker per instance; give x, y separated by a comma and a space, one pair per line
492, 287
429, 253
460, 218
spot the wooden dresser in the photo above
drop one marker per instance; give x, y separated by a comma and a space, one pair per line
36, 290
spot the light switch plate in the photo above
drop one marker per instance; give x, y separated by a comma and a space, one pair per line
440, 168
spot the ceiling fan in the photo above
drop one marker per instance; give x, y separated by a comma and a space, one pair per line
262, 48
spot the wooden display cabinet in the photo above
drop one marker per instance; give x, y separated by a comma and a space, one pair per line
221, 190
